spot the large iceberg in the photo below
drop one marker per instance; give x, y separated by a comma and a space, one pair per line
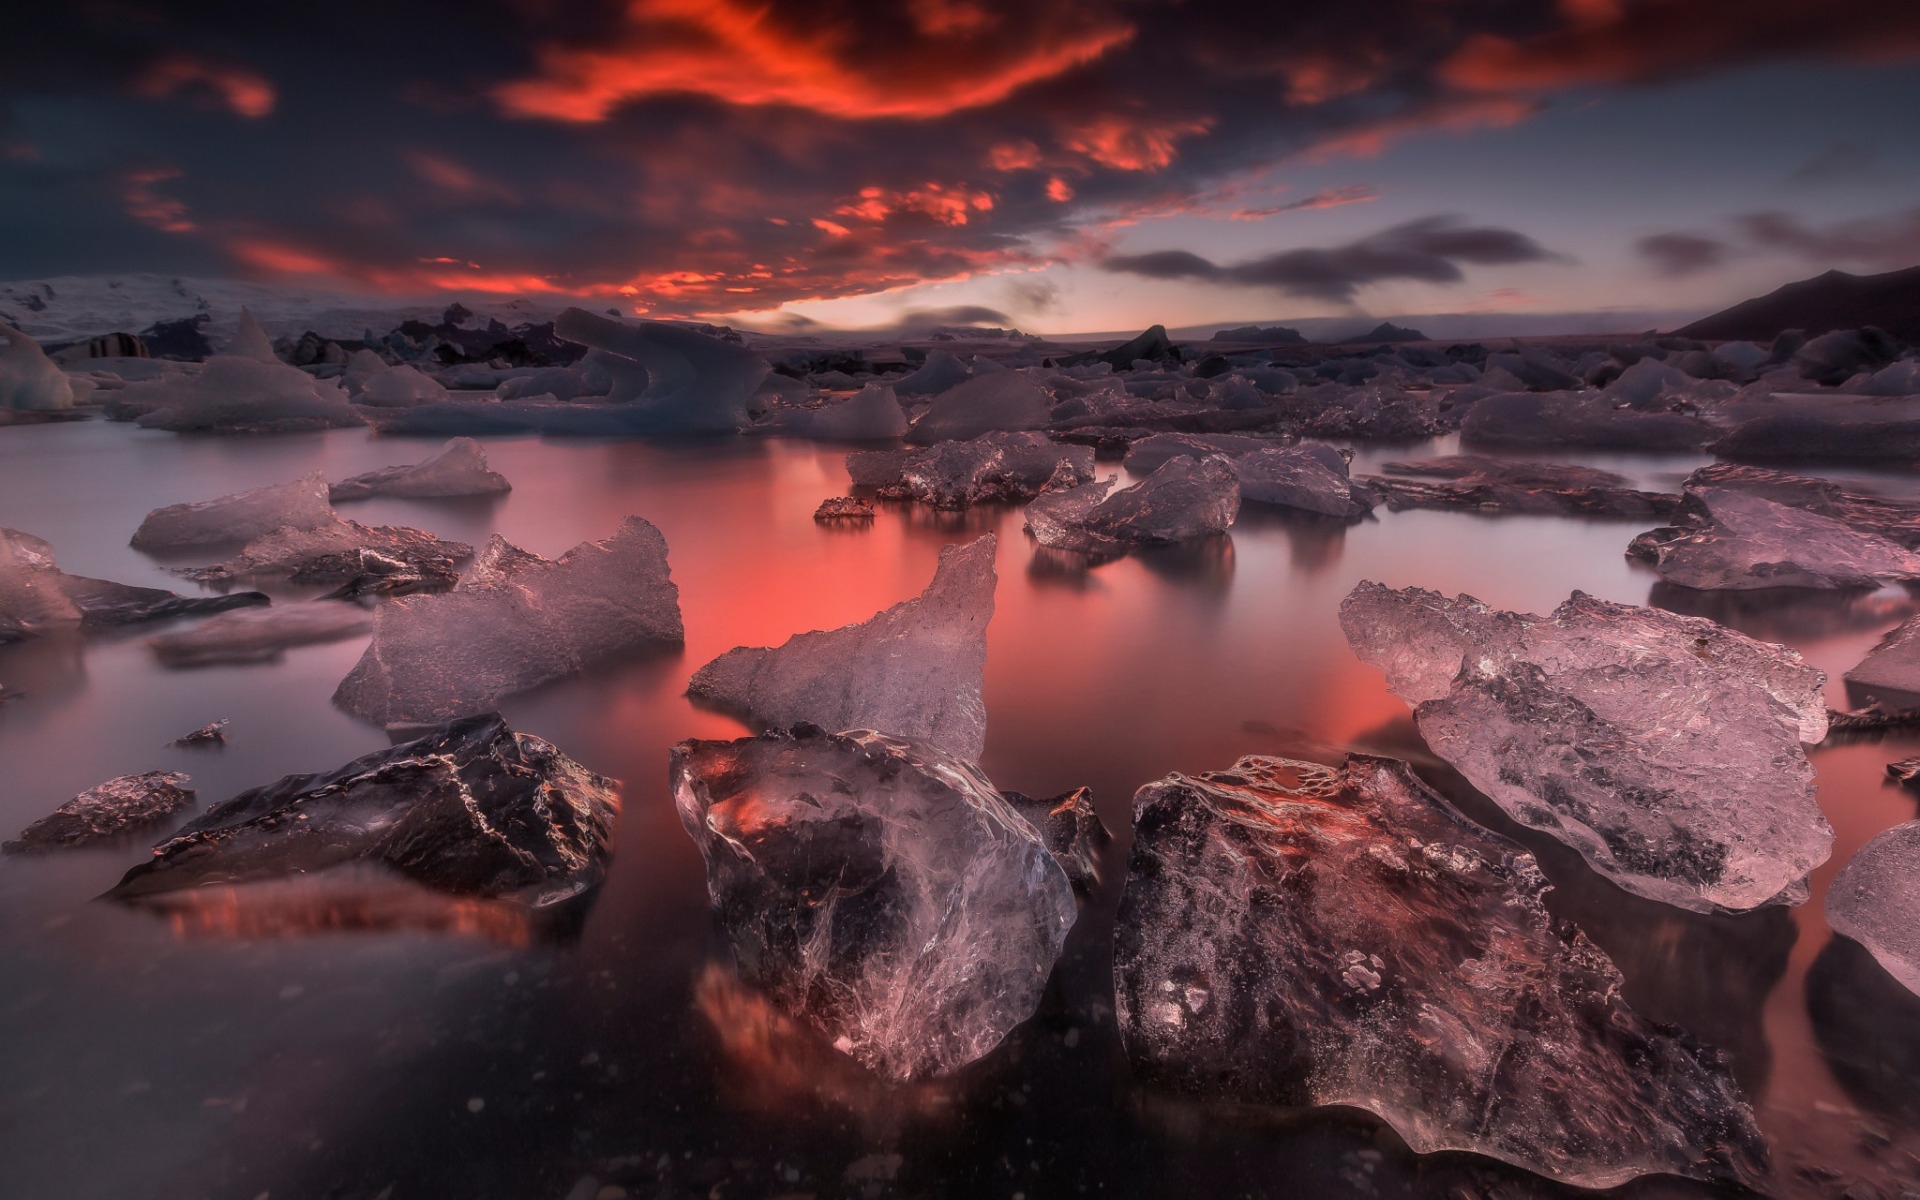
992, 468
1002, 400
1875, 900
37, 597
473, 809
1294, 934
670, 378
1668, 750
29, 380
515, 621
1185, 498
915, 670
237, 518
459, 469
106, 811
878, 888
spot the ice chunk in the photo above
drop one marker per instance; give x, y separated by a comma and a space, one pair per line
1896, 520
251, 341
400, 387
1821, 426
362, 365
878, 888
1906, 771
1003, 400
260, 634
1492, 485
1145, 456
1578, 419
472, 808
1875, 900
1742, 540
1644, 383
561, 383
29, 380
102, 813
941, 372
676, 380
992, 468
237, 395
844, 508
872, 414
1894, 664
1185, 498
342, 552
1666, 749
1292, 934
1071, 829
460, 469
213, 733
515, 621
915, 670
37, 597
1311, 477
240, 517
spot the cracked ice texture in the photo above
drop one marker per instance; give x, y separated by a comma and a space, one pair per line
915, 670
1185, 498
878, 888
680, 380
1749, 541
515, 621
460, 469
1666, 749
472, 809
240, 517
1293, 934
994, 467
1875, 900
105, 811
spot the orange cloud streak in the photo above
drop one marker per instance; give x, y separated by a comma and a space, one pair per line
241, 90
743, 54
1132, 145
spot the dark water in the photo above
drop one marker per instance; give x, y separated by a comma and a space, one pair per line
209, 1056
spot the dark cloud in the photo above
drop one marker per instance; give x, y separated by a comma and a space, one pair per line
1840, 163
1887, 242
1429, 250
711, 157
1679, 254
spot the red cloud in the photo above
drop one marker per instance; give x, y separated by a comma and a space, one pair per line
1128, 145
241, 90
1611, 41
949, 56
146, 205
947, 205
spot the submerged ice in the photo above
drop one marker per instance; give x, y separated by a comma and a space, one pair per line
1875, 900
878, 888
459, 469
106, 811
1294, 934
1668, 750
38, 598
915, 670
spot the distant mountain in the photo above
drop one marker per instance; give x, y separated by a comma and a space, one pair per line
1819, 305
1272, 335
1387, 331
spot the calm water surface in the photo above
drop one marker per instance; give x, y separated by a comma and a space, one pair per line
329, 1056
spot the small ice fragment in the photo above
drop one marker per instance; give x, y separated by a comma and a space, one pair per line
211, 734
459, 469
237, 518
915, 670
515, 621
105, 811
844, 508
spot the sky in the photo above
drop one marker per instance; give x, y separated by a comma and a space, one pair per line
1063, 167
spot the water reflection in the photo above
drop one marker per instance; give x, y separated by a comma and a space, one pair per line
1868, 1027
1316, 542
358, 898
1790, 614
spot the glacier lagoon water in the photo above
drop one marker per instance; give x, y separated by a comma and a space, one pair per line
393, 1048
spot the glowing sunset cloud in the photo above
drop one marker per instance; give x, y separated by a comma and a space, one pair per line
240, 90
956, 56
